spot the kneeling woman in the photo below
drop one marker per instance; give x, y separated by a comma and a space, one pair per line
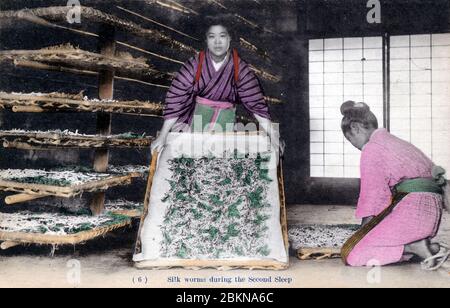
401, 199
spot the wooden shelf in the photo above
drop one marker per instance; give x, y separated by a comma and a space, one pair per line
74, 221
26, 140
67, 57
60, 102
92, 182
78, 228
76, 61
59, 14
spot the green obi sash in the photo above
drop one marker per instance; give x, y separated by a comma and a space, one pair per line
213, 116
432, 185
419, 185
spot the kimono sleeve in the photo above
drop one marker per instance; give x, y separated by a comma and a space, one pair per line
179, 98
251, 93
375, 195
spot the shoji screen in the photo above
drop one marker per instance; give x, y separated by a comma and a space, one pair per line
339, 70
420, 98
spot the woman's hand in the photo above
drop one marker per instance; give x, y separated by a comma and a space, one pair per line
161, 140
159, 144
278, 145
282, 147
366, 220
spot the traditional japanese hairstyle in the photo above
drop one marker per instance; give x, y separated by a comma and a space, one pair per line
225, 20
357, 113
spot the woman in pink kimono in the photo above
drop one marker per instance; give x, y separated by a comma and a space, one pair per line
401, 198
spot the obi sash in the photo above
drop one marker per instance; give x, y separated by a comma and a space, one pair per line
418, 185
213, 116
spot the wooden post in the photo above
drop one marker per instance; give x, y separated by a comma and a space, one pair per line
27, 109
22, 198
151, 175
8, 245
387, 81
107, 46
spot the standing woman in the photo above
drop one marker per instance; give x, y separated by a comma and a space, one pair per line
206, 90
401, 197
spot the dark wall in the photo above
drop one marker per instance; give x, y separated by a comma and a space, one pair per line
331, 18
294, 21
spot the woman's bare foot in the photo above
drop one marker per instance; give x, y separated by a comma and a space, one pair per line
435, 248
423, 249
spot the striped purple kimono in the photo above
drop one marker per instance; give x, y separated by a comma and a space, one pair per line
216, 86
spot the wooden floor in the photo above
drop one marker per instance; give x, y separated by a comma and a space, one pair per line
323, 214
107, 263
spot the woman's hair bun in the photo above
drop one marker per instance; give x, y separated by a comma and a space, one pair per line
225, 20
350, 107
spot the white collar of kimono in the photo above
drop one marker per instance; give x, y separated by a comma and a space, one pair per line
218, 65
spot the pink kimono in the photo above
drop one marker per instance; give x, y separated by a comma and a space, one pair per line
386, 161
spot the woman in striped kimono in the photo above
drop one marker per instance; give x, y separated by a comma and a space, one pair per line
401, 198
205, 92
